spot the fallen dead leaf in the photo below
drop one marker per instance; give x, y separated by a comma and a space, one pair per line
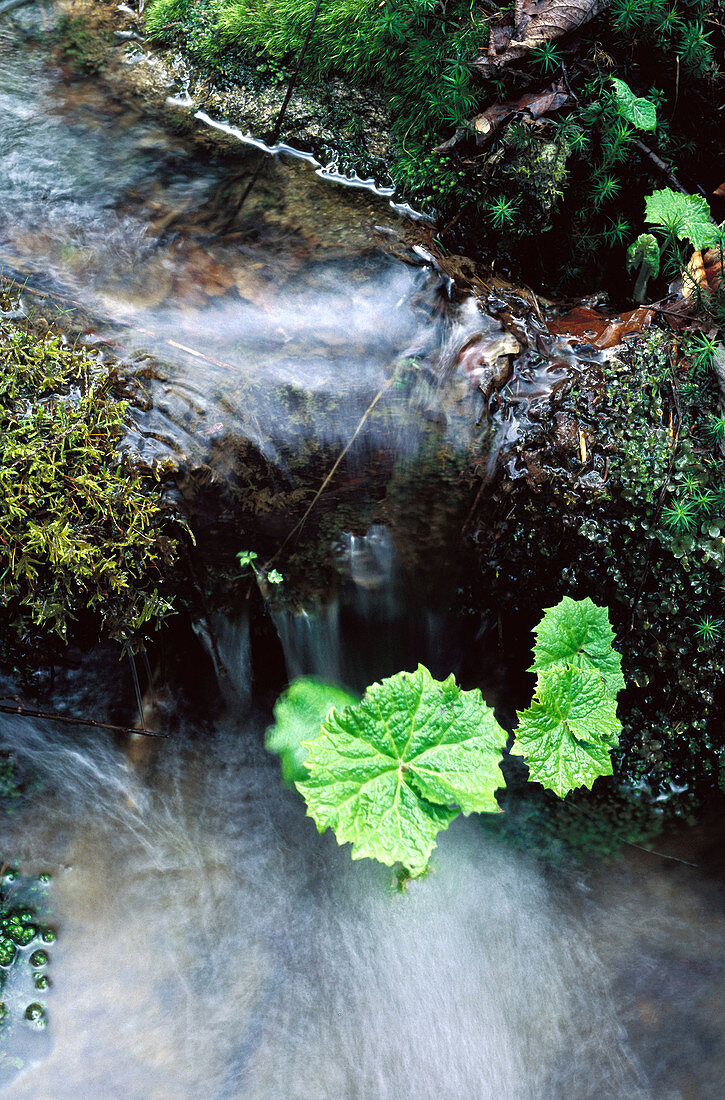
535, 22
532, 104
587, 326
486, 359
703, 272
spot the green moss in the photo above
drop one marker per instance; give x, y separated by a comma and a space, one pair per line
605, 527
588, 826
422, 54
82, 534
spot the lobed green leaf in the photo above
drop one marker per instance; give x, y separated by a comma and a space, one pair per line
298, 715
578, 633
641, 113
567, 733
687, 216
390, 772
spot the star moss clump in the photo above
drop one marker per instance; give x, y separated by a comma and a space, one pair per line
85, 540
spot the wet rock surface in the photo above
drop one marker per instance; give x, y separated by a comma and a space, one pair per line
346, 129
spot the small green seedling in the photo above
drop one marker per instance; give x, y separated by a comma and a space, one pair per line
247, 560
643, 256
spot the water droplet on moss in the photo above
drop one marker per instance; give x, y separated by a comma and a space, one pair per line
7, 951
35, 1013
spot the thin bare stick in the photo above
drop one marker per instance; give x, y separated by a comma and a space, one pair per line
300, 524
27, 712
283, 108
661, 167
137, 688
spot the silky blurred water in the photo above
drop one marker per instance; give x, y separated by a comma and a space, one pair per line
210, 943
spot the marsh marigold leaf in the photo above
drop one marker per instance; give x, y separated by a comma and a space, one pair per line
687, 216
567, 733
641, 113
298, 716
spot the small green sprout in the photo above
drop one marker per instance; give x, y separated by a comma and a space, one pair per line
546, 56
627, 14
247, 558
715, 426
502, 211
680, 515
704, 501
695, 47
701, 349
618, 143
617, 230
578, 139
670, 21
708, 630
605, 187
690, 484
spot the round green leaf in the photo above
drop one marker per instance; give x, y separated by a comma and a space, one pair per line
298, 715
641, 113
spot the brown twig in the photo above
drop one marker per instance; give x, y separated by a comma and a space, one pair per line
661, 167
282, 110
300, 524
69, 720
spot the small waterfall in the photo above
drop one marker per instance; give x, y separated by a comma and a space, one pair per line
370, 563
311, 640
371, 628
227, 642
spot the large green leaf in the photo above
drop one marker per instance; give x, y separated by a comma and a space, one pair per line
389, 773
641, 113
567, 733
578, 633
687, 216
298, 716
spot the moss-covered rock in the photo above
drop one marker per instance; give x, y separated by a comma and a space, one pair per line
86, 540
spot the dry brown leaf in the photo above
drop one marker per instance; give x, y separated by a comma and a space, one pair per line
535, 22
704, 272
533, 104
720, 191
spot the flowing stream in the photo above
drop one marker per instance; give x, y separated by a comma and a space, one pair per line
209, 942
